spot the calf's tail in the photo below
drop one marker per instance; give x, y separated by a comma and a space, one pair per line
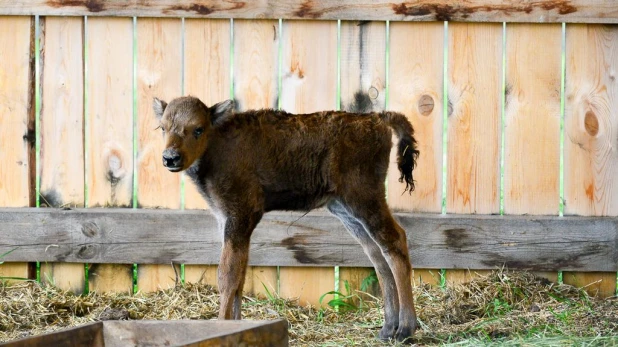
407, 153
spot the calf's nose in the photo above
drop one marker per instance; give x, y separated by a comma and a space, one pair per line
171, 158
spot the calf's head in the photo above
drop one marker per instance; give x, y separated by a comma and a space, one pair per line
187, 123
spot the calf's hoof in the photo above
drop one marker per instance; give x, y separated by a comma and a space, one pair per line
387, 332
404, 334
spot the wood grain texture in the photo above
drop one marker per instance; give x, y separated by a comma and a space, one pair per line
597, 11
154, 277
540, 243
474, 121
206, 75
591, 127
109, 136
475, 102
532, 119
256, 85
309, 84
309, 66
110, 278
62, 131
67, 276
17, 135
416, 88
307, 284
256, 64
62, 112
363, 66
159, 74
256, 278
110, 103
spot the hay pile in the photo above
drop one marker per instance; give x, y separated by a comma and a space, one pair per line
500, 308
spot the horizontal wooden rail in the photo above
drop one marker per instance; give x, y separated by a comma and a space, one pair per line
317, 239
571, 11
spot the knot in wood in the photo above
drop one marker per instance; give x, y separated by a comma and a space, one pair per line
90, 229
87, 251
425, 105
591, 123
373, 93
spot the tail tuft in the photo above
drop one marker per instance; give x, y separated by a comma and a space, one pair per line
407, 152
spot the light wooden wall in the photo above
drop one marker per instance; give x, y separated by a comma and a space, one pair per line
487, 101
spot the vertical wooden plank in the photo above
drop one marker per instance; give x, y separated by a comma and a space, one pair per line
309, 84
62, 131
256, 72
116, 278
532, 112
159, 74
109, 135
16, 121
474, 112
363, 89
591, 122
415, 89
532, 120
206, 76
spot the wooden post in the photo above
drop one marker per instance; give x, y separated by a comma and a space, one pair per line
309, 84
591, 121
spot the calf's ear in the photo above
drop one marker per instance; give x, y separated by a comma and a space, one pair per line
158, 106
221, 111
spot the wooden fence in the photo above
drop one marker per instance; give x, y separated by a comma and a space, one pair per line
516, 115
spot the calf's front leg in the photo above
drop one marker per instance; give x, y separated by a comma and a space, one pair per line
233, 265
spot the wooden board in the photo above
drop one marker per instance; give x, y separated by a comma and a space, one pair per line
206, 75
112, 278
159, 74
307, 284
256, 73
154, 277
532, 124
308, 84
67, 276
474, 123
256, 278
591, 118
17, 133
598, 11
164, 333
415, 89
62, 131
540, 243
363, 89
109, 161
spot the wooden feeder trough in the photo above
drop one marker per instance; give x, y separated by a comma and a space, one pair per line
165, 333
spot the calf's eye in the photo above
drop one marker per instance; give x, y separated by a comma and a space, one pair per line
198, 131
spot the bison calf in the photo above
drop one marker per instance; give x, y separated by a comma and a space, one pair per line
249, 163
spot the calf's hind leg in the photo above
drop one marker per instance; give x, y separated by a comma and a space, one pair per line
385, 276
376, 218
